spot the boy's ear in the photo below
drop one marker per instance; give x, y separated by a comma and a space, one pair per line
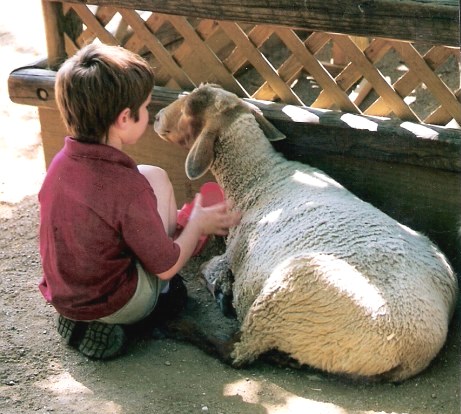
122, 118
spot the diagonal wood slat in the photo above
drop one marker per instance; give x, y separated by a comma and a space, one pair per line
415, 62
259, 62
352, 73
290, 69
103, 15
94, 25
205, 55
137, 23
441, 116
312, 65
134, 43
435, 57
183, 54
401, 109
186, 51
70, 47
237, 58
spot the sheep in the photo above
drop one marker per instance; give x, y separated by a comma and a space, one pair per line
315, 272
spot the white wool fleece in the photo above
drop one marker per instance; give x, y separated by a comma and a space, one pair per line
322, 275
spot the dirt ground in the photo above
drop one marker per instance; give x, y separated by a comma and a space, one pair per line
39, 374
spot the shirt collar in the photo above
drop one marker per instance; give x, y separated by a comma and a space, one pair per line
105, 152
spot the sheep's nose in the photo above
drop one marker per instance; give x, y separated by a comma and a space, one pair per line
158, 115
154, 118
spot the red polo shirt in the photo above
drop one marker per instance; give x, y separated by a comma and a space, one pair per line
98, 214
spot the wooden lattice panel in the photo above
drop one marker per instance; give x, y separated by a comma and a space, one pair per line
317, 69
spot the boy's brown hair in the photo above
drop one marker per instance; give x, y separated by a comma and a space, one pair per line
96, 84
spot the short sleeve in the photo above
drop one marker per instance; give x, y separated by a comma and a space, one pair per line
144, 233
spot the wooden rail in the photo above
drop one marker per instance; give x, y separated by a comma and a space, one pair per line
336, 132
431, 21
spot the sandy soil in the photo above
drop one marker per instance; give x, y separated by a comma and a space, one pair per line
39, 374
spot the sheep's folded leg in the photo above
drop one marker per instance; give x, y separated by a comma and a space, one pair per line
218, 279
184, 329
199, 324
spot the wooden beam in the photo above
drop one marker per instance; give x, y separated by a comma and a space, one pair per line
52, 15
430, 21
33, 85
315, 130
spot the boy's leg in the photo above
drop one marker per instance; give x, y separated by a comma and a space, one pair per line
173, 298
163, 189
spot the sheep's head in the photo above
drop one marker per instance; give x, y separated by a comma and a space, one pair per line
194, 121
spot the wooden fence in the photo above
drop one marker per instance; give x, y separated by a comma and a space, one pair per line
294, 65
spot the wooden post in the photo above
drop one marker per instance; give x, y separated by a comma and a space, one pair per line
53, 18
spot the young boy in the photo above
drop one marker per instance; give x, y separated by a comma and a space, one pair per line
106, 225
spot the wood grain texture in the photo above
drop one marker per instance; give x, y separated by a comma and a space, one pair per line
336, 132
434, 22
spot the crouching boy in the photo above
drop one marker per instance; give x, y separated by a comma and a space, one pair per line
106, 224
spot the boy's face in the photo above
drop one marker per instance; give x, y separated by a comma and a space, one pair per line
138, 128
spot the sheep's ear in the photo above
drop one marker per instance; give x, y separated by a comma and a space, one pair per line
225, 101
201, 155
196, 102
270, 131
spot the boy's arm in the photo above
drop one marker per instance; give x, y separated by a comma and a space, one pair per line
216, 219
187, 241
143, 231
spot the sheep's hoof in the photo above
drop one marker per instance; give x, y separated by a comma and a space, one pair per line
225, 304
224, 347
224, 300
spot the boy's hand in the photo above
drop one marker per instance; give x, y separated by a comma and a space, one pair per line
203, 221
216, 219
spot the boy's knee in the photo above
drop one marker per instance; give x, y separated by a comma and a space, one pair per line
153, 171
156, 176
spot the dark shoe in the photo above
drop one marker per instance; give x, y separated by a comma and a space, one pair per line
95, 340
172, 303
169, 306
